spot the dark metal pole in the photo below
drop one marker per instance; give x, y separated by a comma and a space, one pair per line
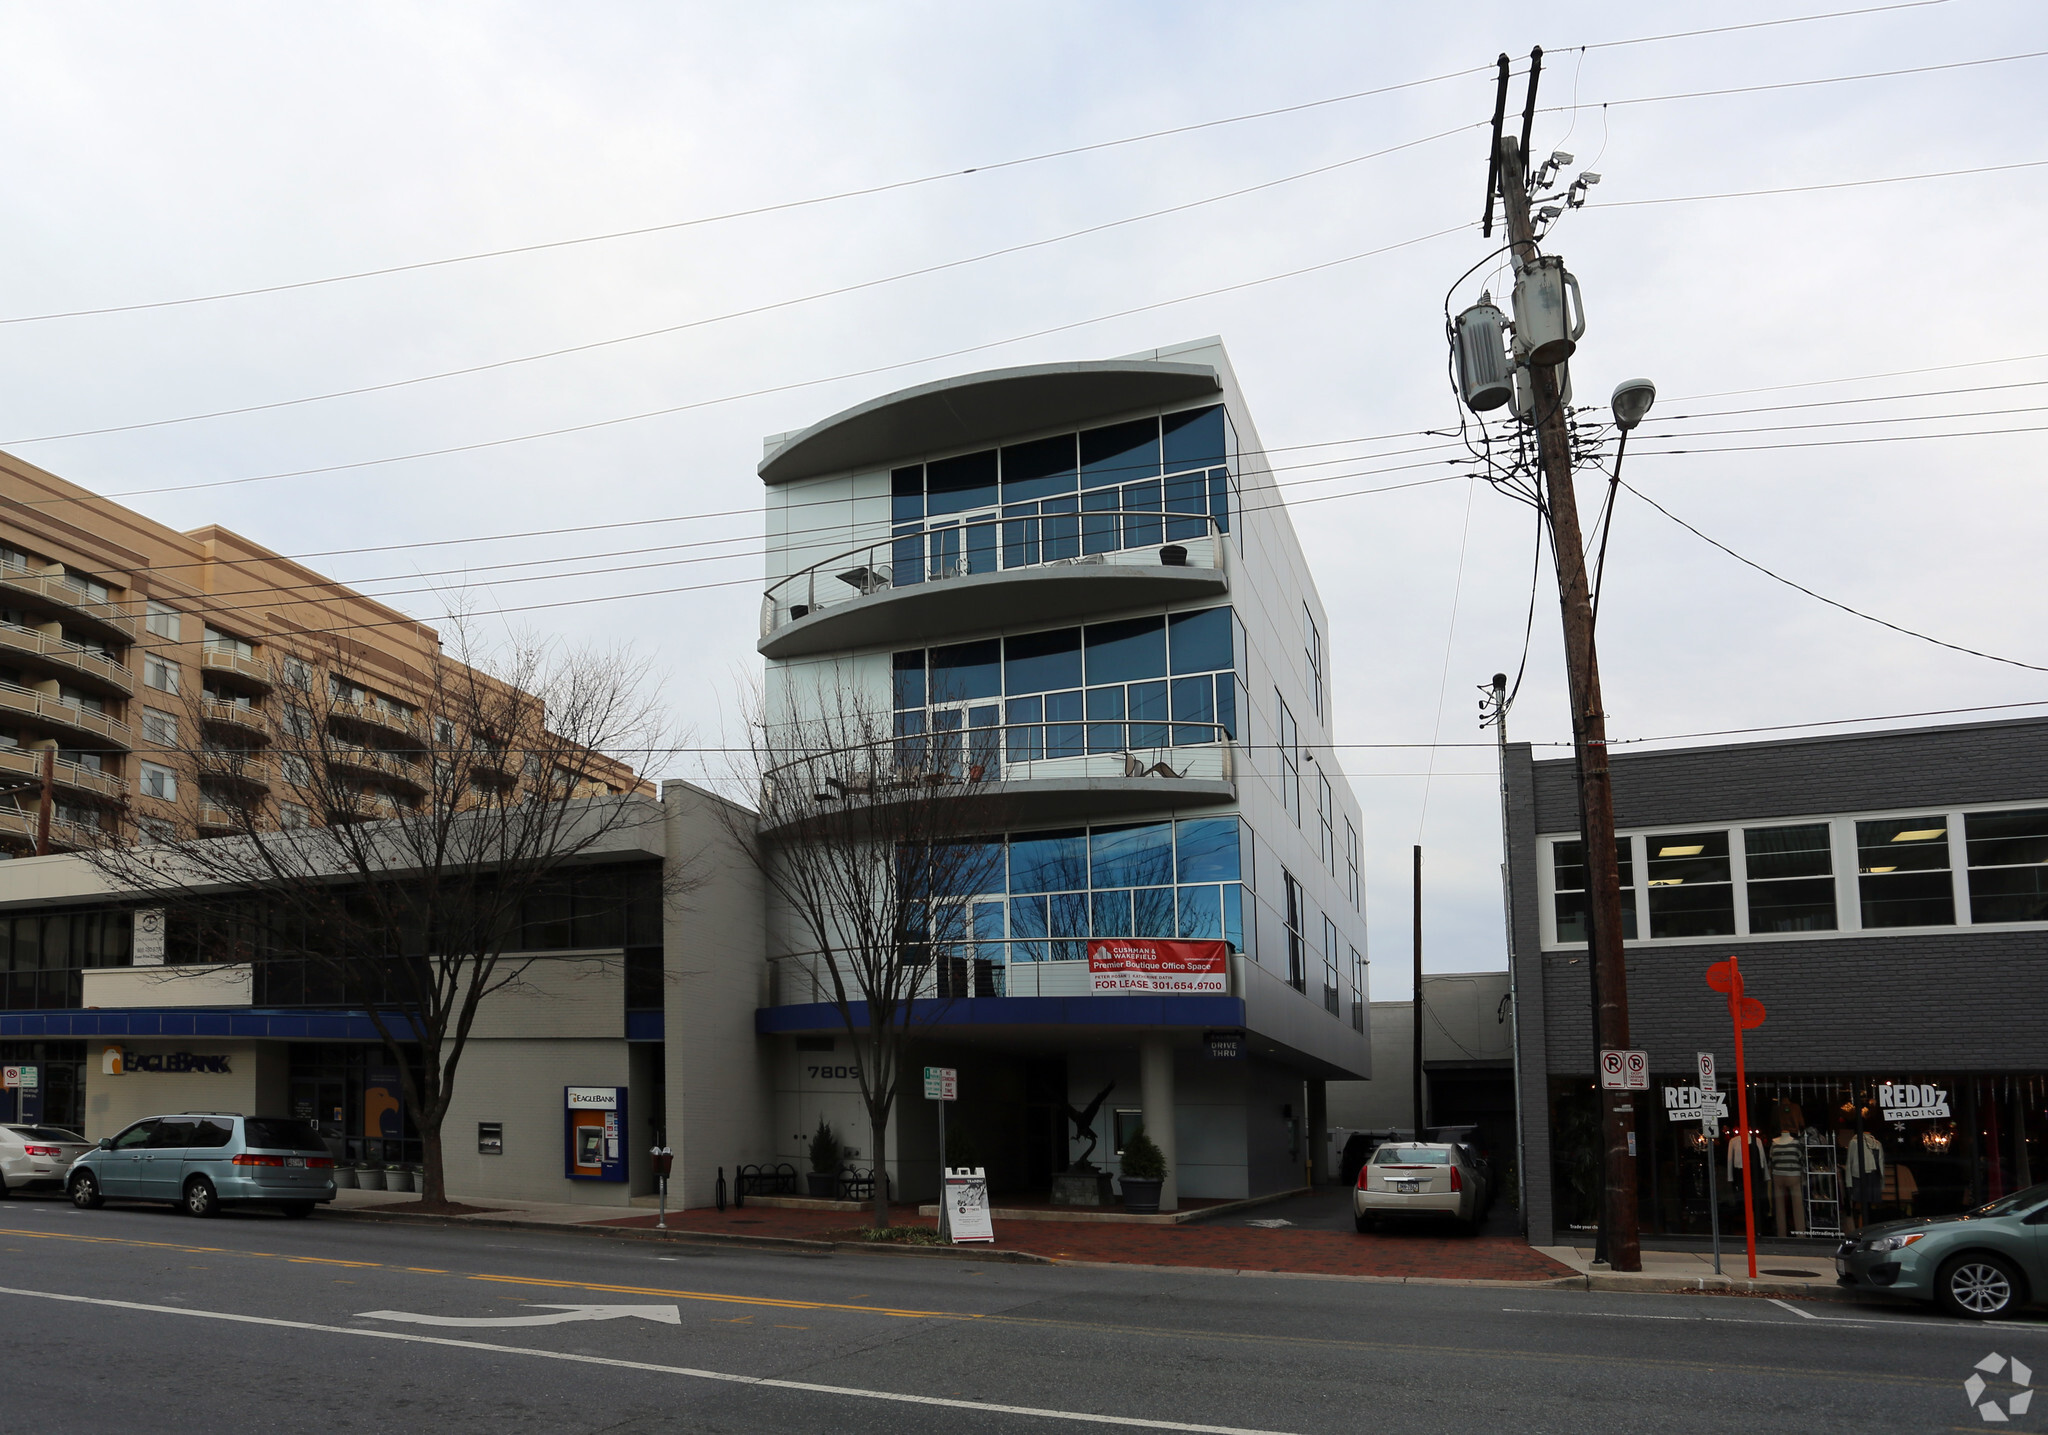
1420, 1105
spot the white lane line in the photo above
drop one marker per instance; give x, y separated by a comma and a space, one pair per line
1803, 1314
725, 1377
1693, 1319
1845, 1322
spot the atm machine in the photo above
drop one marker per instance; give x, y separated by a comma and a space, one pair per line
594, 1133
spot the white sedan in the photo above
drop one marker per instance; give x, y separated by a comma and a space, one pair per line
36, 1157
1424, 1178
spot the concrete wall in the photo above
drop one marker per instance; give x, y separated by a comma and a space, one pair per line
576, 995
519, 1084
167, 986
254, 1084
1461, 1025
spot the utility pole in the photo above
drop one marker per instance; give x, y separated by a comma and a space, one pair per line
1589, 737
1420, 1104
49, 800
1494, 710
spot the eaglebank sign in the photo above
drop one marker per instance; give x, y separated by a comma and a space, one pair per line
118, 1061
1124, 964
1897, 1101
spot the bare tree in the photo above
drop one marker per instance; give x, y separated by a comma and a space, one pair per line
395, 846
870, 840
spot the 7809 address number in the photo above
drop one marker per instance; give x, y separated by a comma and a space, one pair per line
847, 1073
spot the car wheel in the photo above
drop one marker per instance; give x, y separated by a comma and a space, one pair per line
296, 1210
85, 1192
1364, 1224
200, 1198
1979, 1287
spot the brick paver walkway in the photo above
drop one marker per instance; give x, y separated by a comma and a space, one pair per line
1215, 1246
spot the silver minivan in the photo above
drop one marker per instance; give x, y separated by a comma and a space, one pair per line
198, 1160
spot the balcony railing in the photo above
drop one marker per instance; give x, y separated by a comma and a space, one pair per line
973, 757
1120, 537
62, 652
235, 715
219, 657
52, 709
63, 592
27, 764
374, 714
376, 760
965, 969
19, 825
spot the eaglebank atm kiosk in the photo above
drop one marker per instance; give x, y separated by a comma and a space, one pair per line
594, 1132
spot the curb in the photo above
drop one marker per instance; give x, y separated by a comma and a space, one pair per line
794, 1245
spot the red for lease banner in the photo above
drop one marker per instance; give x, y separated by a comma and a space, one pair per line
1137, 964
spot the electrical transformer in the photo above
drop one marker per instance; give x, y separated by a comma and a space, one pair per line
1546, 330
1484, 375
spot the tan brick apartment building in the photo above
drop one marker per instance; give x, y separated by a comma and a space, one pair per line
125, 645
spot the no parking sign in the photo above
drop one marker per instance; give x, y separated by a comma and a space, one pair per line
1624, 1070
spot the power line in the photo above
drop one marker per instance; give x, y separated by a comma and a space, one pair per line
1819, 597
1810, 188
1863, 378
756, 309
1802, 84
1763, 24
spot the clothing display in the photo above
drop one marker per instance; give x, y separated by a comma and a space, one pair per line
1900, 1187
1788, 1198
1735, 1161
1867, 1189
1862, 1156
1786, 1159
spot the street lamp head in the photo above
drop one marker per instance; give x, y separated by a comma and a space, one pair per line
1631, 402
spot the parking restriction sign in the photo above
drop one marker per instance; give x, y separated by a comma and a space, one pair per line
1624, 1070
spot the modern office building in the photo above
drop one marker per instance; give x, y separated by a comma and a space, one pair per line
1886, 896
1081, 581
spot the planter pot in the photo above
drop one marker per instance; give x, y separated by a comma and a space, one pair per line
370, 1180
1141, 1197
345, 1178
822, 1185
400, 1181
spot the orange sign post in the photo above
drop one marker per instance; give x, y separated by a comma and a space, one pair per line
1745, 1012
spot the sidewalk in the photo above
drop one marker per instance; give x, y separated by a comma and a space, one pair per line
1809, 1276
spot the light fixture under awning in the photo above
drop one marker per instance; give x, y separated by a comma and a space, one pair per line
1920, 834
1692, 851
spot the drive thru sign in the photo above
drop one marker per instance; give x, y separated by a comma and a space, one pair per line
1624, 1070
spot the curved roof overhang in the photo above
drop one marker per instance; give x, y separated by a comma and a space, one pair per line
981, 408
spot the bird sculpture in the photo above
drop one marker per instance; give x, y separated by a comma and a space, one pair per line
1084, 1125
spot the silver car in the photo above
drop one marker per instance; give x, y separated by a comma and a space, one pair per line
202, 1160
1419, 1178
35, 1158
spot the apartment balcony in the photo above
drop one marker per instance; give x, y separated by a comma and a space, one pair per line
989, 573
375, 763
246, 722
381, 716
218, 821
232, 766
18, 829
1016, 775
103, 617
26, 765
87, 666
81, 725
225, 658
364, 807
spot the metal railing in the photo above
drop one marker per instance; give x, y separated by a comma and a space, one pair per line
27, 762
220, 657
967, 967
20, 824
64, 591
972, 757
251, 719
1147, 537
51, 708
76, 656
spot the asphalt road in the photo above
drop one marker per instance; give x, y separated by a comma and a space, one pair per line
134, 1318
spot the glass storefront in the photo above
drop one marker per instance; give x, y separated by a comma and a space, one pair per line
1829, 1153
353, 1093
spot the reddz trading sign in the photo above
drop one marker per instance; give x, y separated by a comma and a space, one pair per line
1908, 1102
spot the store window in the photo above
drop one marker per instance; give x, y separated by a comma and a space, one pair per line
1791, 878
1692, 892
1568, 869
1155, 879
2008, 854
1902, 868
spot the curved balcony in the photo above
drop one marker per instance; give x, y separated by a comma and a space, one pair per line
89, 666
216, 821
1014, 774
83, 726
101, 616
18, 828
19, 765
374, 762
229, 766
988, 574
224, 658
373, 714
245, 722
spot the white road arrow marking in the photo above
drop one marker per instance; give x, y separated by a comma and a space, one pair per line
562, 1314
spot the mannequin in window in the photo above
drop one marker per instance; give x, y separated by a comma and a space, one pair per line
1862, 1172
1736, 1165
1899, 1188
1788, 1178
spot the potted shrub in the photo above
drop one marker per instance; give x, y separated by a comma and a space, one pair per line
370, 1175
826, 1156
399, 1178
344, 1176
1144, 1173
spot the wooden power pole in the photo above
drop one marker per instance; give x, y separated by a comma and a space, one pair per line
1589, 737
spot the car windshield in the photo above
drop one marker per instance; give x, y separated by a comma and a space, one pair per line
1411, 1156
281, 1133
2018, 1201
46, 1133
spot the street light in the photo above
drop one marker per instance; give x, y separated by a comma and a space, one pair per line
1629, 403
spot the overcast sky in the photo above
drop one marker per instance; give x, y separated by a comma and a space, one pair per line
159, 152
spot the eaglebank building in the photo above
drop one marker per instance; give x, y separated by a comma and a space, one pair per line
1886, 897
1082, 578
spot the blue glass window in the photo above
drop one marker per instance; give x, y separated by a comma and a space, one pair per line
1219, 498
1039, 662
1188, 493
1194, 702
1201, 913
1119, 453
906, 556
1049, 862
909, 677
1124, 651
1141, 501
967, 670
1063, 724
1136, 856
1027, 929
1200, 641
1209, 850
1039, 469
1147, 711
906, 490
1195, 439
1152, 911
1226, 704
954, 485
1060, 529
964, 869
1101, 528
1105, 719
1112, 914
1021, 717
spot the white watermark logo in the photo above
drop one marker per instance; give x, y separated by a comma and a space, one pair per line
1992, 1411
